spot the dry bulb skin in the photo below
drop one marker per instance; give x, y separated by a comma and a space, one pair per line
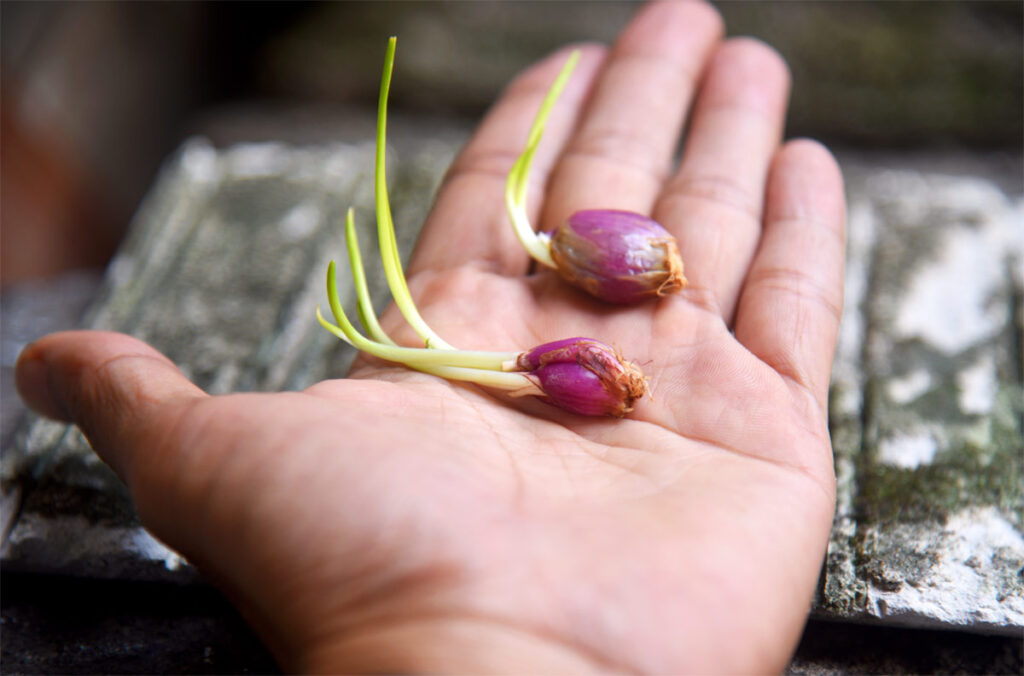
580, 375
618, 256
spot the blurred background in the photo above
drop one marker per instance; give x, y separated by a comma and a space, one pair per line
95, 94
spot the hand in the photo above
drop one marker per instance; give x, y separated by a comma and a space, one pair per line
396, 522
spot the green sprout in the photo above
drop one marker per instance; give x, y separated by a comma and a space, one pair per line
438, 357
537, 244
580, 375
616, 255
484, 368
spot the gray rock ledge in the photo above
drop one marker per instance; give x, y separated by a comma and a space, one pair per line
223, 269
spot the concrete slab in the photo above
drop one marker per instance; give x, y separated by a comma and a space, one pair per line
223, 269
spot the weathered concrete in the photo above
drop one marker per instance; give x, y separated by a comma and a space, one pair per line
927, 405
222, 271
225, 265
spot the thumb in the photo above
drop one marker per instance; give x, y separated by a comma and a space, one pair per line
114, 387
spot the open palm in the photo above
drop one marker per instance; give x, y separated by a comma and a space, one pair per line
395, 521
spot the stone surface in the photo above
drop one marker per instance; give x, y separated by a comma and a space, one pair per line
224, 267
29, 310
927, 405
222, 271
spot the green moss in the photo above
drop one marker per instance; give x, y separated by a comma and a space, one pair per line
966, 475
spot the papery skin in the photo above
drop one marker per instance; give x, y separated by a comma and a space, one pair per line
585, 376
618, 256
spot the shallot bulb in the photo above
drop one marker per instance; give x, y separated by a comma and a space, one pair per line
584, 376
580, 375
617, 256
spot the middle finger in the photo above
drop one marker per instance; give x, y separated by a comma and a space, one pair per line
713, 205
620, 155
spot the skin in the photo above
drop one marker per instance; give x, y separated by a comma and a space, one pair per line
393, 522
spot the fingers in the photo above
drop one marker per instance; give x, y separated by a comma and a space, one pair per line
468, 222
713, 204
791, 302
622, 152
115, 388
619, 156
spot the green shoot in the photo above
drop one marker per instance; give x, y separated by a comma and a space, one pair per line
518, 177
411, 356
433, 361
385, 225
366, 314
491, 369
561, 372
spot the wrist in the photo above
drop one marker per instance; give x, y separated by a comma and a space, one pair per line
449, 646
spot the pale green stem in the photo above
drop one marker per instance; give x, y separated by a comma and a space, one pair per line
525, 161
516, 384
414, 357
366, 314
385, 225
450, 364
536, 244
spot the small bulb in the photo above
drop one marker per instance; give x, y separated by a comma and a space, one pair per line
584, 376
617, 256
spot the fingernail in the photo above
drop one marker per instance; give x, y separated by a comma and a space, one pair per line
32, 379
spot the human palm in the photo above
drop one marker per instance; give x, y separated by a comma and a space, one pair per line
395, 521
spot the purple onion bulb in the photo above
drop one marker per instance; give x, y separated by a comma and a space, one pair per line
617, 256
584, 376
